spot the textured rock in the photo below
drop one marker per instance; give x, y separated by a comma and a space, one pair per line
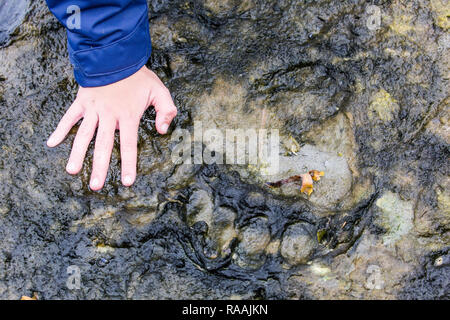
223, 230
13, 14
254, 240
366, 105
332, 188
396, 217
297, 244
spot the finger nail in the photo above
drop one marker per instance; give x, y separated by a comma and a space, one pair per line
70, 167
164, 127
51, 141
95, 183
127, 180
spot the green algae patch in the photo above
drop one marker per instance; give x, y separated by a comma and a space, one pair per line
396, 217
383, 106
441, 12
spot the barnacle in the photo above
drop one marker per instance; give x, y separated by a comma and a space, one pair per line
439, 261
306, 180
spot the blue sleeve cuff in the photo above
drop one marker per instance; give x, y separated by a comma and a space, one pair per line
99, 66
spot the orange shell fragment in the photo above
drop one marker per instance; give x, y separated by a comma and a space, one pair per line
306, 181
316, 174
28, 298
307, 184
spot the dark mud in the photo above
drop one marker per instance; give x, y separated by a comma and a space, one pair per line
377, 98
432, 279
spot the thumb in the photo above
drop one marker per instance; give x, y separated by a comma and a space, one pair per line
165, 111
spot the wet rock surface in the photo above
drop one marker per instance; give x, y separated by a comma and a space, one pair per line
368, 104
329, 191
297, 244
13, 13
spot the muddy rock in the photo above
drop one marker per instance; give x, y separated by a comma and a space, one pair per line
254, 240
365, 102
200, 208
223, 231
297, 244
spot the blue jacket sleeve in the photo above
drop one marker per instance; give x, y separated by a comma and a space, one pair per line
108, 40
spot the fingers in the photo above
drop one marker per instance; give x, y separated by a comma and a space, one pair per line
69, 119
128, 150
165, 110
81, 143
102, 153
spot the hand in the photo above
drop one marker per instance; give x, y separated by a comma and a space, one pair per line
120, 106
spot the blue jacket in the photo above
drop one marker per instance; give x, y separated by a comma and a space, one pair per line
108, 40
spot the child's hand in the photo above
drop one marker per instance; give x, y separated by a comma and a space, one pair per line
118, 106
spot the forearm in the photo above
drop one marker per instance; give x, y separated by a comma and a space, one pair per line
111, 41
